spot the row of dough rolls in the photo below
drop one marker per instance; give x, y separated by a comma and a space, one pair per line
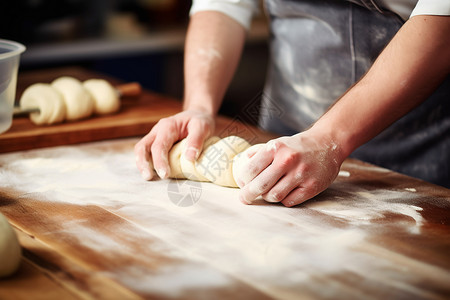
67, 98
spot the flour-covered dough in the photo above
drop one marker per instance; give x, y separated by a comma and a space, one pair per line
10, 251
104, 95
51, 105
215, 163
79, 103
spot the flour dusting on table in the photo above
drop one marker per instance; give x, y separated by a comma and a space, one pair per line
275, 249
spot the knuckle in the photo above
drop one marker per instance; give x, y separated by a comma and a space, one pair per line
253, 169
289, 159
140, 149
254, 189
156, 147
275, 197
315, 184
274, 145
264, 186
166, 123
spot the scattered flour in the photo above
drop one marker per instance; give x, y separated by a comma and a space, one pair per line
275, 249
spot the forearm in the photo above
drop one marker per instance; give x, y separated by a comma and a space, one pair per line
413, 64
213, 47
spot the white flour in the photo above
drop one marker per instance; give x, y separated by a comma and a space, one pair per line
275, 249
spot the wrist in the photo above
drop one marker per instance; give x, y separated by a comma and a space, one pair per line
200, 104
337, 139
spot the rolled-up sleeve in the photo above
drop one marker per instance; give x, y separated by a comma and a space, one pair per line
432, 7
240, 10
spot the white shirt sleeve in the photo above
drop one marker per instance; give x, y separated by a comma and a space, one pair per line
240, 10
432, 7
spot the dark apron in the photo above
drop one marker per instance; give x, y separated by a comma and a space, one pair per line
319, 48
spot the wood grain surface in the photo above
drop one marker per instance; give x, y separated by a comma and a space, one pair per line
91, 228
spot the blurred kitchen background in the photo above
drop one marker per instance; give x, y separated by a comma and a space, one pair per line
133, 40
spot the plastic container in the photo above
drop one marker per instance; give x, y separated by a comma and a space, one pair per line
9, 64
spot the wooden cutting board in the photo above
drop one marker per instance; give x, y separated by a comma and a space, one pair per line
135, 118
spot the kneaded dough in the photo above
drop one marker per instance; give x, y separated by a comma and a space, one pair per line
79, 103
189, 168
106, 99
182, 168
49, 101
10, 251
215, 163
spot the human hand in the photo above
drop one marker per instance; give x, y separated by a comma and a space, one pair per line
153, 149
290, 170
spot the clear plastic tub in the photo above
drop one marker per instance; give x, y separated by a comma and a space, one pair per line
9, 64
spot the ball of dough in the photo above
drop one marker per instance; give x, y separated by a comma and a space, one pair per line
79, 103
10, 251
49, 101
215, 162
240, 164
105, 96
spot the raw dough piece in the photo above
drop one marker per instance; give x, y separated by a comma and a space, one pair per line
10, 251
216, 161
104, 95
79, 103
214, 164
180, 167
189, 167
49, 101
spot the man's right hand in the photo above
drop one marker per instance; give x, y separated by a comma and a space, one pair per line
153, 149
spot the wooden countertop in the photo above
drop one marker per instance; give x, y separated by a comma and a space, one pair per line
91, 228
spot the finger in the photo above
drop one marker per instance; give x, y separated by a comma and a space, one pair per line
257, 163
261, 184
299, 195
197, 133
250, 152
280, 190
240, 162
143, 158
164, 140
